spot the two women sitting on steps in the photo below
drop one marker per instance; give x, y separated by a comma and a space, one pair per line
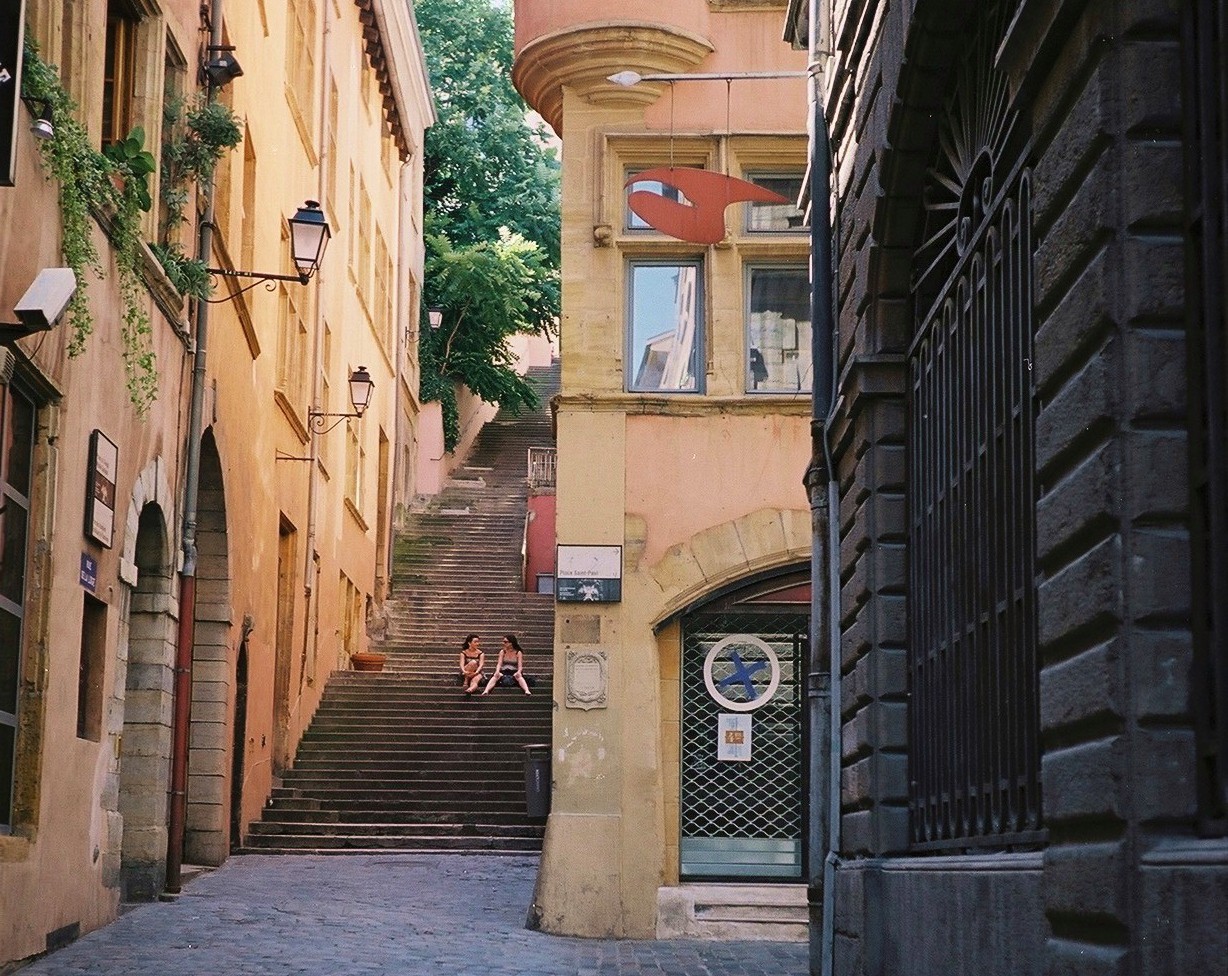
509, 668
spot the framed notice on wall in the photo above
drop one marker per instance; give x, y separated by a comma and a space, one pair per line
589, 574
100, 489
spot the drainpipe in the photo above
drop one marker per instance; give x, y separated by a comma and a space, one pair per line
182, 698
310, 570
823, 489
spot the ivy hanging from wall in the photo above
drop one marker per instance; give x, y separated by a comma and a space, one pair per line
114, 186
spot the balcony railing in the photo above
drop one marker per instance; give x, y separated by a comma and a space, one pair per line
542, 464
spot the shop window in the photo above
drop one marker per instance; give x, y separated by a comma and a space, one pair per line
665, 327
778, 330
772, 218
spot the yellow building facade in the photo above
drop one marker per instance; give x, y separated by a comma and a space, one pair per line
295, 501
683, 438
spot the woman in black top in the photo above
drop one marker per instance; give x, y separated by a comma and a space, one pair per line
510, 666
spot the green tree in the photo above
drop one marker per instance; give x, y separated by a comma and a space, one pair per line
491, 196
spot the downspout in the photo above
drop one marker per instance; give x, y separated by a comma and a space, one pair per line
823, 490
182, 695
313, 474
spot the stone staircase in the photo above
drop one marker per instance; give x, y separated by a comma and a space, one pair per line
401, 759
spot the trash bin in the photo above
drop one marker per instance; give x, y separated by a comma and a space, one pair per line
537, 779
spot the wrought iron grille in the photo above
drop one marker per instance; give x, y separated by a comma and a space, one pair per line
543, 462
744, 819
974, 715
1206, 88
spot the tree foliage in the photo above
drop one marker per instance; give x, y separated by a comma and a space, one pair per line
491, 195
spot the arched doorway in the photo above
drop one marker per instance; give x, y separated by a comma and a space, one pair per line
145, 747
743, 764
207, 840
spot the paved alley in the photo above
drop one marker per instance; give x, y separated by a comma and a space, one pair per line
408, 915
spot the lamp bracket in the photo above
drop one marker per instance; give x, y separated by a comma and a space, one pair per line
261, 279
316, 420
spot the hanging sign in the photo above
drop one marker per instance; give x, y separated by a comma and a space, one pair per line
702, 219
12, 31
100, 489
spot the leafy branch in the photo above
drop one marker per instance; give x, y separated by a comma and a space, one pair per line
116, 186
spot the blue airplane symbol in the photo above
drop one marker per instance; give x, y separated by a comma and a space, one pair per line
742, 674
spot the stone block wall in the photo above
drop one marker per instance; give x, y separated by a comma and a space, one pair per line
1122, 884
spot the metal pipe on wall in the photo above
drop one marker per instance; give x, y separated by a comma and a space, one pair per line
182, 696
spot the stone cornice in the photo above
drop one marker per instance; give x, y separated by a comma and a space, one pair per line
686, 405
583, 56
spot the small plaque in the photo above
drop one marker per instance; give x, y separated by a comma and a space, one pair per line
587, 679
89, 572
733, 737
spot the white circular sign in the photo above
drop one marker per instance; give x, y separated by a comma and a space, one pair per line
743, 672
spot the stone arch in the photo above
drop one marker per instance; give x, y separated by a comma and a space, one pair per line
207, 840
145, 680
723, 554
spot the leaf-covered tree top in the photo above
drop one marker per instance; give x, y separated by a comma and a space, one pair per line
486, 166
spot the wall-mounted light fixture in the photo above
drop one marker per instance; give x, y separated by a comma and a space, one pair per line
309, 236
43, 125
434, 315
361, 388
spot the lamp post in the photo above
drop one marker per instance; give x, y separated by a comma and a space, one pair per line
309, 237
361, 388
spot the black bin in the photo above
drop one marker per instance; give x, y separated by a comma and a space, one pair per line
537, 779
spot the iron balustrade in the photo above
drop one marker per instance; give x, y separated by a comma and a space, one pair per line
543, 463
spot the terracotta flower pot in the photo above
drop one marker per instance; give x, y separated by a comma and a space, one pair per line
368, 661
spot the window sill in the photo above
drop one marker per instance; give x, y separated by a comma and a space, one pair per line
357, 515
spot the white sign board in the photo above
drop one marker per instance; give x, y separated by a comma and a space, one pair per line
733, 737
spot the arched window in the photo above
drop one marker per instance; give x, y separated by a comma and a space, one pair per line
975, 766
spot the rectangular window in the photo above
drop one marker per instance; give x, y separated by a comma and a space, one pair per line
90, 669
326, 390
634, 220
17, 426
291, 348
300, 60
665, 326
333, 163
381, 311
778, 330
118, 72
774, 218
248, 256
363, 271
355, 459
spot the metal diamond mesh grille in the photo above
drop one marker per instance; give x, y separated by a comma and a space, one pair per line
760, 798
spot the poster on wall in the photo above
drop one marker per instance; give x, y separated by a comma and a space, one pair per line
588, 574
733, 737
100, 489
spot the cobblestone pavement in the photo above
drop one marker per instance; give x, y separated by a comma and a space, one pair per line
402, 915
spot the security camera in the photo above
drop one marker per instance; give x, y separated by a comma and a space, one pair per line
45, 301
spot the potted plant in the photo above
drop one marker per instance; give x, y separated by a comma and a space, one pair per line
368, 660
